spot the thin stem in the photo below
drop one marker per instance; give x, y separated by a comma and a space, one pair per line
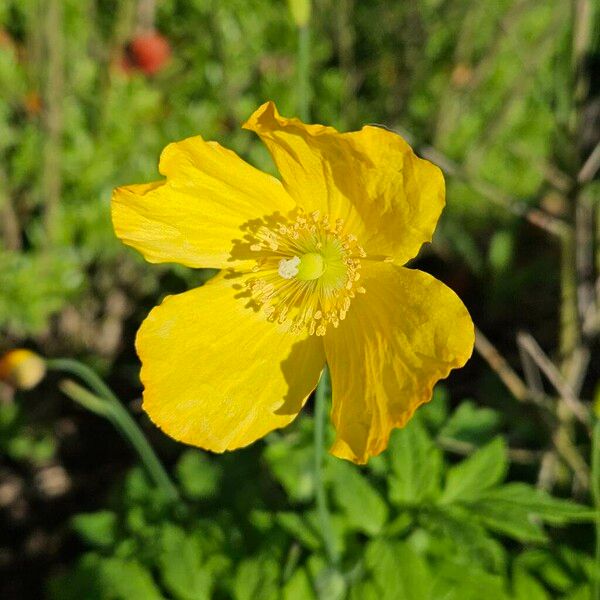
303, 66
111, 408
320, 496
595, 488
530, 345
89, 376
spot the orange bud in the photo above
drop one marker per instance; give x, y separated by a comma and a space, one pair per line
22, 368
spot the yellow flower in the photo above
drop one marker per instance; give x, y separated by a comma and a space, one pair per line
310, 274
22, 368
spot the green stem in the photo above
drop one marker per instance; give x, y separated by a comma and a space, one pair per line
595, 488
303, 66
320, 495
106, 404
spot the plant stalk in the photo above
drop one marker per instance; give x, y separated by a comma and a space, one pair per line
303, 67
104, 403
595, 489
320, 416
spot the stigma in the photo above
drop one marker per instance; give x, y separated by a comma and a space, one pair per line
306, 272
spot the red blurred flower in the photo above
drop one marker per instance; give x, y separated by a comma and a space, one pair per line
148, 53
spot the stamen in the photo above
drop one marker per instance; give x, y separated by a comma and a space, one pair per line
306, 274
288, 268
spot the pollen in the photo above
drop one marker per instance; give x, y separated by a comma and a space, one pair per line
306, 272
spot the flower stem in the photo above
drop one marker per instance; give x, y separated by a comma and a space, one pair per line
320, 496
303, 66
104, 403
595, 488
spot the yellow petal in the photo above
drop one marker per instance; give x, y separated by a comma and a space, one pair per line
405, 333
389, 198
195, 216
217, 374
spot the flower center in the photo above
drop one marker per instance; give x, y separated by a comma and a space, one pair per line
306, 272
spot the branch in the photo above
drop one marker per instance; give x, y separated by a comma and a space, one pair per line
535, 216
500, 365
581, 412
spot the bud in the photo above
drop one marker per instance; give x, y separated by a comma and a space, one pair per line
21, 368
300, 10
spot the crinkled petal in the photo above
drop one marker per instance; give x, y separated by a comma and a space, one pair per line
388, 197
216, 374
194, 216
404, 334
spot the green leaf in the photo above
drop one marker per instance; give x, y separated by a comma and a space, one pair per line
364, 590
330, 584
537, 502
547, 567
469, 539
456, 581
300, 529
290, 459
527, 587
362, 504
472, 476
97, 529
501, 250
299, 587
397, 571
257, 579
472, 424
98, 578
512, 521
198, 476
181, 565
435, 412
416, 465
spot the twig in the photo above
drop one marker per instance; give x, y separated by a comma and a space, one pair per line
535, 216
146, 16
590, 167
571, 456
532, 371
584, 234
554, 376
547, 473
500, 365
516, 455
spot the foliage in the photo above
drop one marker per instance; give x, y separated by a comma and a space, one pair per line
452, 510
416, 525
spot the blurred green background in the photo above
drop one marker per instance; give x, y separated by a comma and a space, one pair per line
504, 96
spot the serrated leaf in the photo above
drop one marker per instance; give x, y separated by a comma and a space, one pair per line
455, 582
468, 536
485, 468
256, 579
527, 587
470, 423
330, 584
97, 529
362, 504
416, 465
99, 578
181, 565
198, 476
539, 503
299, 587
291, 460
511, 521
435, 412
398, 572
300, 529
364, 590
